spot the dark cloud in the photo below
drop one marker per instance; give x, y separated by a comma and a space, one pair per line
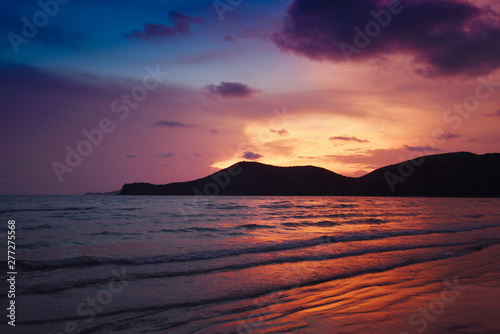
281, 132
346, 138
173, 124
166, 155
444, 37
421, 148
181, 26
131, 156
448, 136
230, 90
494, 114
229, 39
251, 156
214, 131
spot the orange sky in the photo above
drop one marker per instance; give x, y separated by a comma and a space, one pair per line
254, 86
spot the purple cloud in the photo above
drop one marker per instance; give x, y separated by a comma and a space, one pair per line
421, 148
494, 114
454, 37
166, 155
281, 132
346, 138
213, 131
152, 30
173, 124
181, 26
230, 90
229, 39
448, 136
251, 156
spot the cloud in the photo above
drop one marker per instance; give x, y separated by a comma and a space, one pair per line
346, 138
131, 156
281, 132
373, 159
251, 156
229, 39
454, 37
166, 155
213, 131
181, 26
494, 114
421, 148
448, 136
173, 124
230, 90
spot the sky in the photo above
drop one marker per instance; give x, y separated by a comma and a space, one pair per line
95, 94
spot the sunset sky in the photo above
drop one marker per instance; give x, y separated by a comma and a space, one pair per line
184, 88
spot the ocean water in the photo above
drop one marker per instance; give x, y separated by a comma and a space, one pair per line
113, 264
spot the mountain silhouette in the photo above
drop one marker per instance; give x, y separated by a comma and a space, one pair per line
459, 174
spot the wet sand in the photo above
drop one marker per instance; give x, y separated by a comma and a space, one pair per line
455, 295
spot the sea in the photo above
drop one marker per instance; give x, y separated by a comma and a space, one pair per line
201, 264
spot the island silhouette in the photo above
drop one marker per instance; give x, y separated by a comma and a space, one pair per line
460, 174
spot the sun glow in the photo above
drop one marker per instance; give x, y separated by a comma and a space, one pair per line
307, 140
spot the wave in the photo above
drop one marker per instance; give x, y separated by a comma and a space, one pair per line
36, 245
231, 207
50, 209
328, 223
221, 253
323, 223
370, 221
312, 206
61, 286
255, 226
475, 216
263, 290
190, 229
278, 205
108, 233
37, 227
290, 205
330, 215
212, 229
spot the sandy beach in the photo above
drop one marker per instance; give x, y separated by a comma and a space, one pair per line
455, 295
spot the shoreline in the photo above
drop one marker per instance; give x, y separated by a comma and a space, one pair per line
403, 301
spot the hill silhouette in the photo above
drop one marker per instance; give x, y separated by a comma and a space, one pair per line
459, 174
